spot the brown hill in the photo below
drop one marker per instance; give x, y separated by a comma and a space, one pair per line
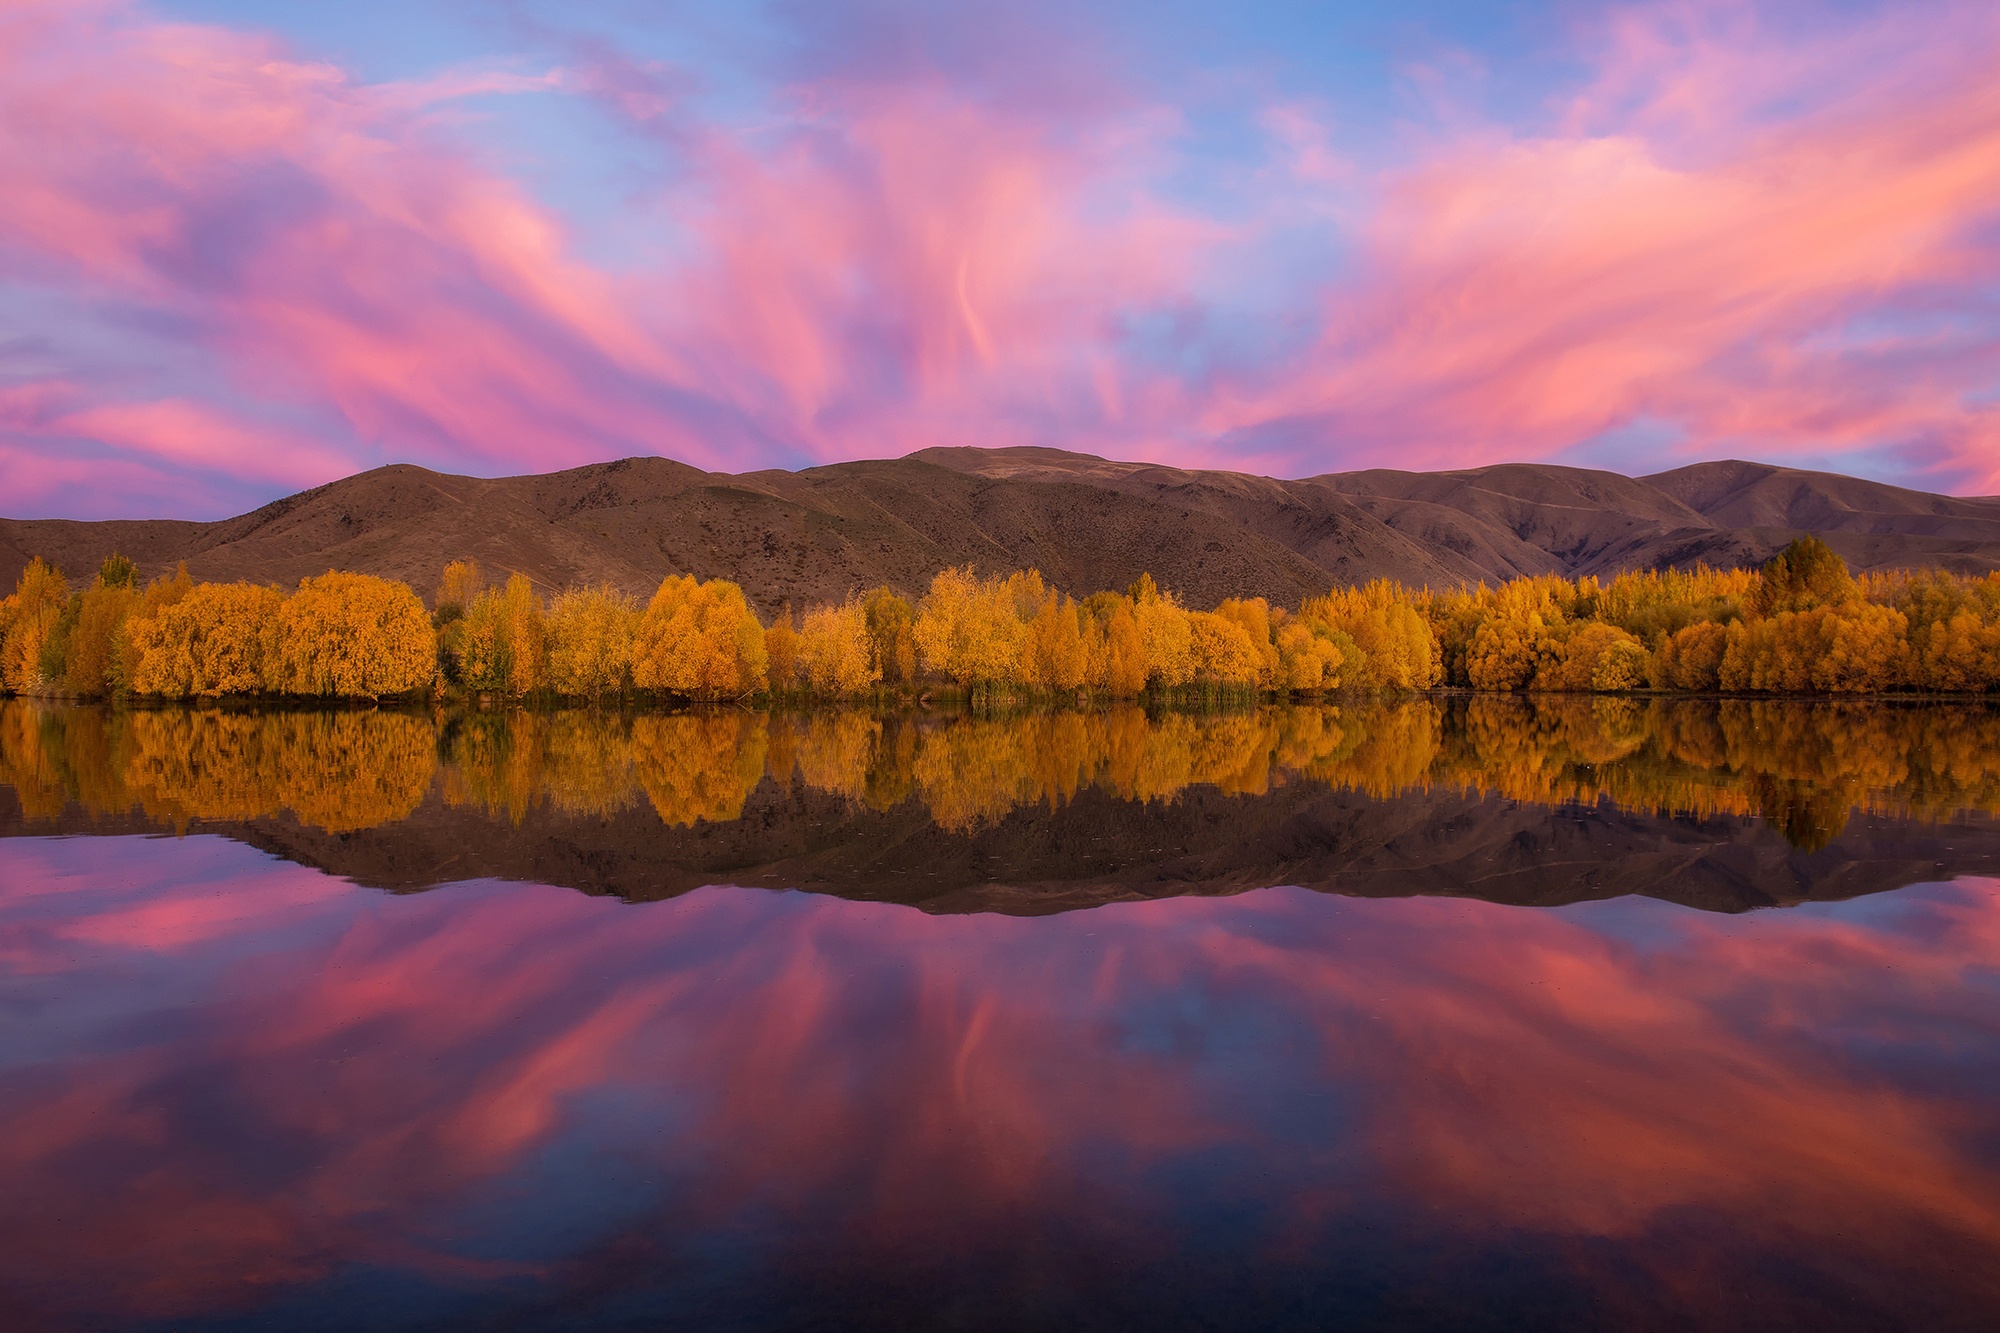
1086, 522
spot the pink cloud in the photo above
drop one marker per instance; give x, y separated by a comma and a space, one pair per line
1759, 285
1746, 241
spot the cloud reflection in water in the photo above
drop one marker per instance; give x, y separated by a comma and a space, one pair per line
234, 1086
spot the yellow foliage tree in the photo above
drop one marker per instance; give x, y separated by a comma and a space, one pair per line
892, 638
834, 660
160, 594
220, 639
1058, 655
1503, 654
1123, 669
1223, 655
781, 652
501, 644
1254, 615
701, 640
1691, 658
459, 585
31, 615
1570, 660
589, 634
967, 629
354, 636
1166, 636
1398, 649
1308, 663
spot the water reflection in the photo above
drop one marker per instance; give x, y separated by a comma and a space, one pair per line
237, 1089
1802, 766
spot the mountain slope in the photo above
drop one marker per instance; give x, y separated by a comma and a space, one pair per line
1086, 522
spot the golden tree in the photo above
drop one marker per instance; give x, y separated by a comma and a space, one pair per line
31, 615
1255, 616
892, 638
1058, 652
501, 644
1123, 673
459, 585
1166, 636
354, 635
90, 665
781, 652
701, 640
1222, 654
1312, 659
161, 593
220, 639
1398, 649
967, 629
1691, 658
590, 633
834, 660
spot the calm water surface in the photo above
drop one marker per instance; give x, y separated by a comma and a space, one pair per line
1439, 1013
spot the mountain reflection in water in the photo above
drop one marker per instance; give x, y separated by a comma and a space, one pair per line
1725, 804
237, 1092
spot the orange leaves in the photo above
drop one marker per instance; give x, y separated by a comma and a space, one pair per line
27, 619
501, 644
967, 630
353, 636
834, 657
222, 638
339, 635
590, 637
701, 640
1399, 651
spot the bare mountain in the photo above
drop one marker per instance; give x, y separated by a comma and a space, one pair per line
1086, 522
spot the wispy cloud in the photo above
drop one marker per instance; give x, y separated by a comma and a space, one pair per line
1753, 241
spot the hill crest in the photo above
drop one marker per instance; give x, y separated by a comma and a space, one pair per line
1086, 522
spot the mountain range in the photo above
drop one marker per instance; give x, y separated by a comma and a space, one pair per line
817, 534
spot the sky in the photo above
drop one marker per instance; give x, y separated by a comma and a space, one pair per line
250, 248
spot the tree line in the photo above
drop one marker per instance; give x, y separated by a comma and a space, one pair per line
1803, 624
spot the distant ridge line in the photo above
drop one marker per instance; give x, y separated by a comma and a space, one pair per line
1086, 522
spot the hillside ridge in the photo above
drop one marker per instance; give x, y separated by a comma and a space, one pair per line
822, 533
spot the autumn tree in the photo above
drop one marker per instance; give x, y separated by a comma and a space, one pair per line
1310, 662
1805, 576
589, 634
1166, 636
1058, 656
220, 639
501, 644
1398, 649
38, 602
1223, 657
1691, 659
892, 642
90, 666
781, 652
163, 592
1572, 658
966, 629
354, 636
1254, 616
701, 640
834, 657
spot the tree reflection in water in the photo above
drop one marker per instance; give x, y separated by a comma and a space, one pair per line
1802, 766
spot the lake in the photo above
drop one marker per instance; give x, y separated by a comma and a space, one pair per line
1424, 1013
